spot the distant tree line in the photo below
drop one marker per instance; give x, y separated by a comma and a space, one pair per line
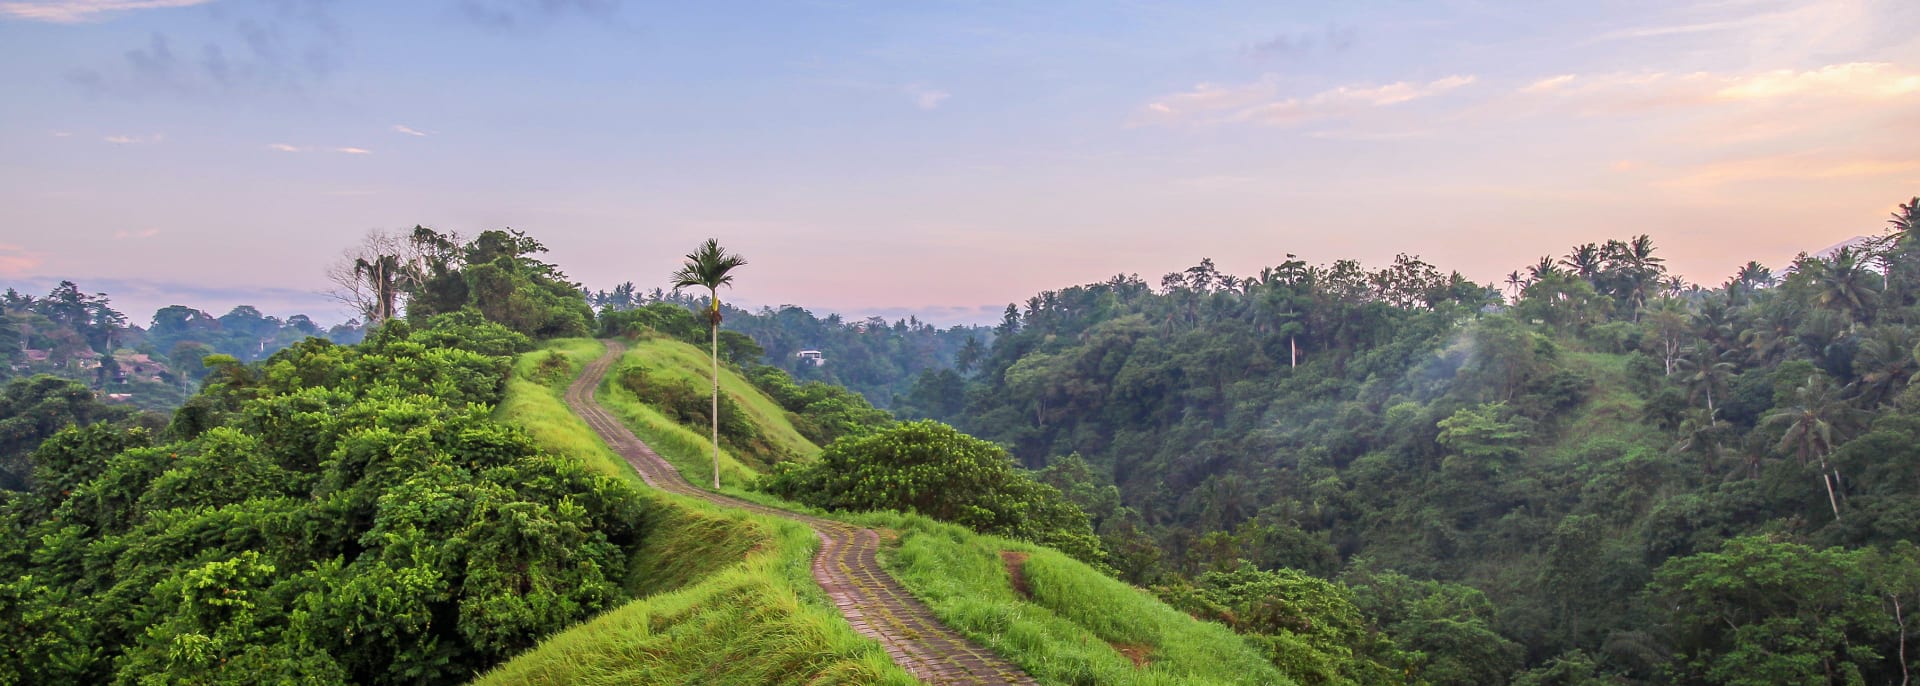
880, 360
1590, 473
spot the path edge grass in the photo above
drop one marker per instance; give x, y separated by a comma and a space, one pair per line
732, 597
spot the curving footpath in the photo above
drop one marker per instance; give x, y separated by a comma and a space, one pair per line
845, 566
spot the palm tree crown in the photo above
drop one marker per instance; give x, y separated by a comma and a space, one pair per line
709, 266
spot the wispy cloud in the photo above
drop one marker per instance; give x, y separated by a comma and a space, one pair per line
1549, 84
77, 11
287, 147
508, 15
16, 260
60, 134
1862, 80
927, 98
402, 128
1261, 102
1335, 38
135, 140
279, 48
1791, 167
1627, 92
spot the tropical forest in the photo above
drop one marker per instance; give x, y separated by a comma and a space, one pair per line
1592, 472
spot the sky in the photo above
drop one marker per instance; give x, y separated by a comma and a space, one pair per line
936, 158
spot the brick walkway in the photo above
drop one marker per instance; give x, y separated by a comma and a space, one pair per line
845, 566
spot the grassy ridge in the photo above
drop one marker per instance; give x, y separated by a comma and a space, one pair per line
1068, 632
733, 601
535, 402
673, 359
1076, 621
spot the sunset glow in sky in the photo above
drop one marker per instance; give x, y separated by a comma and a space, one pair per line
938, 158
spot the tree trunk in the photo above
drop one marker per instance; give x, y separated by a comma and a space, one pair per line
715, 328
1901, 620
1293, 353
1827, 479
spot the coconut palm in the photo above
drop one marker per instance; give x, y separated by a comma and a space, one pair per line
1907, 220
1846, 284
1585, 261
1885, 363
1810, 426
710, 267
1544, 269
1705, 371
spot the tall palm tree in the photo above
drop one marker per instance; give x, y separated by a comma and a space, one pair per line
1907, 220
1585, 261
1514, 283
1847, 284
710, 266
1544, 269
1705, 371
1810, 424
1885, 363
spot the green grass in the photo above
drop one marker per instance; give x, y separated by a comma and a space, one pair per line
1067, 632
535, 402
1064, 634
1612, 412
678, 360
731, 598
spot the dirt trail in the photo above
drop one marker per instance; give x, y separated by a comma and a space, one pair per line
845, 566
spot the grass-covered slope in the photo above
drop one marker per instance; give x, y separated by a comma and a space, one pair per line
1070, 625
731, 600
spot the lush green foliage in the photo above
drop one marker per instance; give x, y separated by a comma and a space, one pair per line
337, 514
33, 409
1309, 627
1550, 452
928, 468
496, 275
1759, 611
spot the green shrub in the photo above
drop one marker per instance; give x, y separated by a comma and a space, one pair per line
929, 468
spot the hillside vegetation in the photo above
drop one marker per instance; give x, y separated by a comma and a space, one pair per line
726, 597
1575, 481
1072, 624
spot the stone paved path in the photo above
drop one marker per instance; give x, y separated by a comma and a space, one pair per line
845, 566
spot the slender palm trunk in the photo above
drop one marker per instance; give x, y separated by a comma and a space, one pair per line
1901, 620
1827, 479
716, 399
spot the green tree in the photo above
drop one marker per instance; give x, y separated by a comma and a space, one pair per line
1847, 284
1761, 611
1809, 427
929, 468
711, 266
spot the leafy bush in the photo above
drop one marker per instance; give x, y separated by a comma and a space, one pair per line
821, 412
334, 515
1309, 627
928, 468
